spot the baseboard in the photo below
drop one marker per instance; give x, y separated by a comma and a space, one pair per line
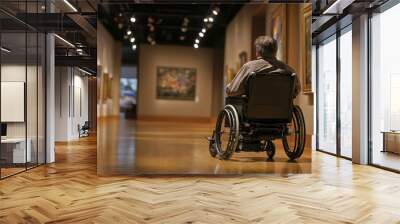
109, 117
174, 119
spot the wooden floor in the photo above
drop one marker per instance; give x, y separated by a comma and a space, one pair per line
127, 147
70, 191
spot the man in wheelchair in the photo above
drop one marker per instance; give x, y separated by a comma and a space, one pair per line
259, 108
266, 49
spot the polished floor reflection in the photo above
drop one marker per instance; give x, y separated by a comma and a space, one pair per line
127, 147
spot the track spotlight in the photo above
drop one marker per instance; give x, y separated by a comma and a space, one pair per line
211, 19
201, 34
196, 46
132, 39
215, 11
203, 30
133, 19
197, 41
134, 47
129, 32
205, 20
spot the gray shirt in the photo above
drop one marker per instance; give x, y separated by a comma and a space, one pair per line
237, 86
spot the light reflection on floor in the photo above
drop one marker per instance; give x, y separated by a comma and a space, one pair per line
127, 147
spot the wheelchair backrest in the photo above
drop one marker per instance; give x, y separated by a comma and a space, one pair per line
270, 97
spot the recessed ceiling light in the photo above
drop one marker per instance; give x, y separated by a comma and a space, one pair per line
211, 19
201, 34
129, 32
205, 20
203, 30
134, 47
215, 11
196, 46
197, 41
133, 19
132, 39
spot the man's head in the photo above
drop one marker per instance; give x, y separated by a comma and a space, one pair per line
266, 46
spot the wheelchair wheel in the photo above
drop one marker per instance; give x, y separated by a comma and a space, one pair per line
226, 132
270, 149
295, 137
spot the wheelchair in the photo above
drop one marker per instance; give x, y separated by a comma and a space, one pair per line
253, 121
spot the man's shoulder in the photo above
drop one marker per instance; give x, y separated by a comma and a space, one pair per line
285, 66
258, 63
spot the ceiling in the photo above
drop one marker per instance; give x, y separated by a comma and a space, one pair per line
177, 24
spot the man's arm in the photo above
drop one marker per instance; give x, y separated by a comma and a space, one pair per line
237, 86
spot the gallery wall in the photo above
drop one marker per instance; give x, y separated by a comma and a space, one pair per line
109, 57
150, 57
238, 39
71, 102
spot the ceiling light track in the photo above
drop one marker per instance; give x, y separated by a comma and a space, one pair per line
70, 5
65, 41
208, 23
5, 50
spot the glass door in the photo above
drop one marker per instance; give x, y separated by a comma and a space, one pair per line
346, 72
22, 77
334, 94
326, 93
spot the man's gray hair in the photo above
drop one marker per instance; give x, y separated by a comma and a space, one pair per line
266, 46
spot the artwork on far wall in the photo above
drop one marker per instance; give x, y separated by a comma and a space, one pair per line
176, 83
278, 30
306, 61
243, 58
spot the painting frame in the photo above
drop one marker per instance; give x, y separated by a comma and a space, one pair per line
307, 50
176, 83
278, 30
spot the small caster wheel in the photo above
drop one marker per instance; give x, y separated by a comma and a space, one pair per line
270, 149
211, 145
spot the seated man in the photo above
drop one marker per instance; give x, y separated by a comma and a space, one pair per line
266, 48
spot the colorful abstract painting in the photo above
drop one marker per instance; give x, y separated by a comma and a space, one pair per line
176, 83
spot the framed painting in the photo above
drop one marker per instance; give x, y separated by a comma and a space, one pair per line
278, 30
176, 83
243, 58
307, 48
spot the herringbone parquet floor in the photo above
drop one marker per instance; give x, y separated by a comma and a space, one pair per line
69, 191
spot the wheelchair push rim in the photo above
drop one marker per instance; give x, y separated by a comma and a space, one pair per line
295, 136
226, 132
